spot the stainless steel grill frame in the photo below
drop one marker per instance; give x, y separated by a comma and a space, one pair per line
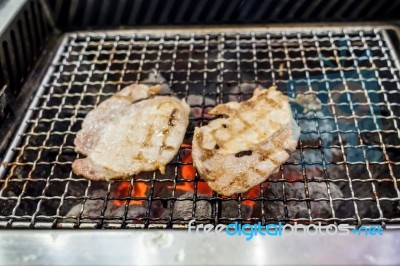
73, 14
91, 66
24, 32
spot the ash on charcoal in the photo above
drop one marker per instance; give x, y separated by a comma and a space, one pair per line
298, 209
183, 208
230, 209
198, 115
155, 78
363, 189
369, 176
6, 207
93, 208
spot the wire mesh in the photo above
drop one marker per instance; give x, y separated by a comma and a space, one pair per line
344, 170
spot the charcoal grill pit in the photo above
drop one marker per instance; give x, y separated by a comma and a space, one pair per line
329, 179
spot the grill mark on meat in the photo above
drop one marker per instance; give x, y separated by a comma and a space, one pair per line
165, 136
172, 117
240, 179
208, 154
146, 143
165, 147
267, 155
139, 157
243, 153
247, 126
244, 121
199, 136
166, 132
271, 102
258, 171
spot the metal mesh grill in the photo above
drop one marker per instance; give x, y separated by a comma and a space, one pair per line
345, 168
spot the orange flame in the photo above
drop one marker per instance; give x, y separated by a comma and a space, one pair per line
252, 193
139, 189
188, 172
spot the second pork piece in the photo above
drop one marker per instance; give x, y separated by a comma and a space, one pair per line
247, 145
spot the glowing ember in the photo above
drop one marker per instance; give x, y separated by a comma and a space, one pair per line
203, 188
252, 193
139, 189
188, 172
293, 178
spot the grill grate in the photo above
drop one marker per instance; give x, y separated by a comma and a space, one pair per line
345, 169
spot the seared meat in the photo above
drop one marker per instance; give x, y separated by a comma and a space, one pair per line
247, 145
129, 133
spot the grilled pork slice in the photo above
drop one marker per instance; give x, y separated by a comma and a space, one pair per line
131, 132
247, 145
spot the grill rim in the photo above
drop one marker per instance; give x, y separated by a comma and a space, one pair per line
176, 12
210, 249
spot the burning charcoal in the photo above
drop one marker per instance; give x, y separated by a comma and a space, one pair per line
93, 208
196, 112
324, 125
157, 208
298, 209
363, 189
230, 209
319, 190
7, 206
245, 90
195, 101
134, 211
183, 208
